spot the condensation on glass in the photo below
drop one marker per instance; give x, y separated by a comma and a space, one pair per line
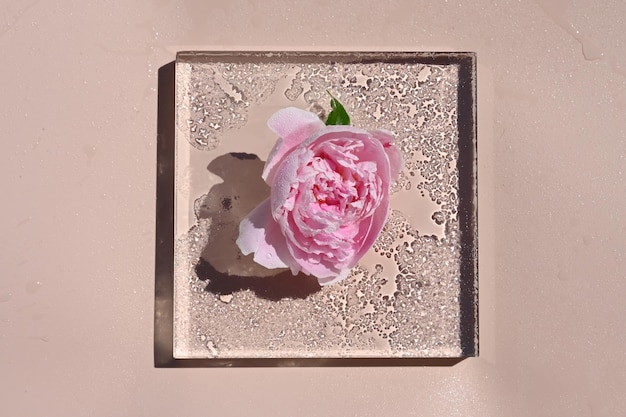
414, 295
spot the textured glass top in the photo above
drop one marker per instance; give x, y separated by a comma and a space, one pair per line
412, 296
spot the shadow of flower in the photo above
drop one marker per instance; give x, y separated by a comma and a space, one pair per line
221, 264
274, 288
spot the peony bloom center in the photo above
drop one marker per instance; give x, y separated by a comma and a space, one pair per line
329, 197
333, 189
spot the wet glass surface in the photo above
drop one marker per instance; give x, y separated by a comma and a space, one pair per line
414, 295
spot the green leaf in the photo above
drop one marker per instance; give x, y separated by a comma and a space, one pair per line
338, 116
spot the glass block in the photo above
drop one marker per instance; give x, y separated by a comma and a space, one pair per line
413, 296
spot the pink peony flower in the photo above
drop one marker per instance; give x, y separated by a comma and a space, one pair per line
329, 196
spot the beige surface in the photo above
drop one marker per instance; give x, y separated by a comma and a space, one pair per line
78, 119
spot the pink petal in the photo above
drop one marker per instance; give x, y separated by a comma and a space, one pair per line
259, 233
293, 126
343, 274
284, 177
396, 161
334, 132
377, 222
318, 270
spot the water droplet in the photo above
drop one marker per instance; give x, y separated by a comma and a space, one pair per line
212, 348
438, 217
226, 298
33, 286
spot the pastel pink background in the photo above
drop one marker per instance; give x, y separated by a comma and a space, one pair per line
78, 115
